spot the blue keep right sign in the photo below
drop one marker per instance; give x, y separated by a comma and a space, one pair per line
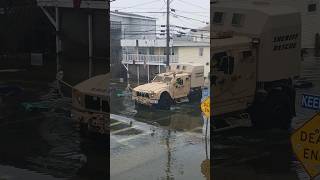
310, 101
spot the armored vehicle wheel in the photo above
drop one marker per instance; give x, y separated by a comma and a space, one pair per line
195, 95
273, 113
165, 101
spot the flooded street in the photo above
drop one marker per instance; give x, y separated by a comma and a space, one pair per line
264, 154
155, 144
38, 139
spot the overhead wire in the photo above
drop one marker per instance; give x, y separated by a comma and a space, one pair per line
141, 4
191, 4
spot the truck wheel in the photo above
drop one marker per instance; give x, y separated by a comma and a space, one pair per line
195, 95
274, 112
278, 106
165, 101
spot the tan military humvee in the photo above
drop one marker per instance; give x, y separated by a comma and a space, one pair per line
90, 105
183, 82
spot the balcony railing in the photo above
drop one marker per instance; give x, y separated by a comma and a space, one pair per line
147, 59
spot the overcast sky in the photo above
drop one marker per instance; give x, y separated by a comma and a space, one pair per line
195, 9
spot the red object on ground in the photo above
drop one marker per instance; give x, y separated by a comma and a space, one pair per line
76, 3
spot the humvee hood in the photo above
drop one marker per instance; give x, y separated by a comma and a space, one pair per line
151, 87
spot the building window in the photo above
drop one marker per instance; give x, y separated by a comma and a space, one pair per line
237, 19
312, 7
218, 18
200, 51
151, 51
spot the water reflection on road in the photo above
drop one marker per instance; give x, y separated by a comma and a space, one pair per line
166, 145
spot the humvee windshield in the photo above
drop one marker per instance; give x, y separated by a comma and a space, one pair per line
160, 78
223, 62
219, 62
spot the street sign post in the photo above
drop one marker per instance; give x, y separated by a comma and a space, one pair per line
306, 145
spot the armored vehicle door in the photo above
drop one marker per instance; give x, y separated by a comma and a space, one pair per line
233, 80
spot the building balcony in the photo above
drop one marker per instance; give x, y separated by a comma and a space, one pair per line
147, 59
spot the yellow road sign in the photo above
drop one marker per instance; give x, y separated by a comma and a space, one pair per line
205, 168
205, 107
306, 145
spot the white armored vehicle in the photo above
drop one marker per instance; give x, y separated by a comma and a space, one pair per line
255, 54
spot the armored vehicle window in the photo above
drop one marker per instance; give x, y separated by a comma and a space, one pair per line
218, 18
179, 81
92, 102
312, 7
167, 79
219, 63
237, 19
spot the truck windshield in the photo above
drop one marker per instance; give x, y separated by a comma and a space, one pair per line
162, 79
219, 62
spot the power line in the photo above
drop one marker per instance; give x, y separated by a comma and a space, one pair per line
185, 2
141, 4
189, 18
194, 13
150, 25
151, 12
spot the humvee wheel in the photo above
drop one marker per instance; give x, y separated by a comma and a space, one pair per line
273, 113
195, 96
165, 101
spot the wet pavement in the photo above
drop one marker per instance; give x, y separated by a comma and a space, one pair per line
243, 152
43, 143
155, 144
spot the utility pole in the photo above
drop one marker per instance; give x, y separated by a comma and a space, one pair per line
168, 34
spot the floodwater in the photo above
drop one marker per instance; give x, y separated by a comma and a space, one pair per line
43, 144
247, 153
158, 144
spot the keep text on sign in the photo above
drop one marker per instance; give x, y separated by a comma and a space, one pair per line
310, 101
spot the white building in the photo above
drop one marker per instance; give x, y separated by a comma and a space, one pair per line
134, 26
148, 57
127, 26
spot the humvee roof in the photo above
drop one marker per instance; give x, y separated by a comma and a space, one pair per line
265, 7
96, 86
